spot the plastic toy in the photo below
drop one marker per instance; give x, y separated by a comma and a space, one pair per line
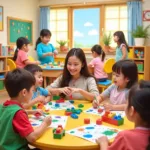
80, 105
100, 110
87, 121
74, 116
55, 97
57, 105
99, 121
112, 119
50, 103
71, 101
40, 106
69, 111
59, 132
34, 107
61, 100
37, 115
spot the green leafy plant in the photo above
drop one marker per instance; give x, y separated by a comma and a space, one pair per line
107, 38
62, 42
141, 32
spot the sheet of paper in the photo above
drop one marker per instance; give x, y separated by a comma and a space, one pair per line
56, 120
62, 106
92, 131
95, 111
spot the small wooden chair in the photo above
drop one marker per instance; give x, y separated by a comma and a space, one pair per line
11, 64
31, 58
108, 69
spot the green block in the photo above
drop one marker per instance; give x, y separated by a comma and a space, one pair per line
120, 122
58, 136
50, 103
80, 105
56, 97
34, 107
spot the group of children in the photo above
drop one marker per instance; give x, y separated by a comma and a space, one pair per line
24, 88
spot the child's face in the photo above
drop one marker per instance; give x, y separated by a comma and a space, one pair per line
39, 79
120, 80
27, 95
116, 38
26, 47
74, 66
94, 54
45, 39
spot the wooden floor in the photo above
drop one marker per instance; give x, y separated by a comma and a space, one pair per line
3, 96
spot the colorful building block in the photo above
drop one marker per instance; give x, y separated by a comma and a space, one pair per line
59, 132
57, 105
80, 105
34, 107
40, 106
67, 113
71, 101
99, 121
61, 100
86, 121
37, 115
56, 97
115, 120
50, 103
100, 110
74, 116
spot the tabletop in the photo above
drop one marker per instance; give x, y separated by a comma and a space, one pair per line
69, 142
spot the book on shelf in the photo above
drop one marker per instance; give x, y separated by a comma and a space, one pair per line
6, 50
1, 65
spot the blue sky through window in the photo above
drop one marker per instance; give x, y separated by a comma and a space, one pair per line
86, 27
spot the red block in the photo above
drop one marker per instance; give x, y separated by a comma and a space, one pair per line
109, 120
100, 110
58, 130
99, 121
37, 115
87, 121
61, 100
68, 113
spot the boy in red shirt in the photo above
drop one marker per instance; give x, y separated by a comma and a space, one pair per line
15, 128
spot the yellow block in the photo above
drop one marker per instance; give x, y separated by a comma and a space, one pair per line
140, 76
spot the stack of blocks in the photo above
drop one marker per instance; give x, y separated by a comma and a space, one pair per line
113, 119
59, 132
73, 112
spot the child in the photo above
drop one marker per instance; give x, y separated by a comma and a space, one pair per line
125, 76
122, 47
20, 56
98, 63
137, 111
40, 94
45, 50
15, 128
75, 80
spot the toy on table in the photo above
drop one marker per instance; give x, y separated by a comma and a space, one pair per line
100, 110
74, 116
69, 111
111, 118
86, 121
59, 132
61, 100
37, 115
80, 105
139, 54
99, 121
71, 101
57, 105
56, 97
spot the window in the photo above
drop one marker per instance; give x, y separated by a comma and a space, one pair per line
86, 27
116, 19
59, 25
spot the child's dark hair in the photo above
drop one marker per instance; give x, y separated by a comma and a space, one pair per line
139, 98
18, 80
66, 76
19, 43
33, 68
98, 49
129, 69
44, 32
122, 39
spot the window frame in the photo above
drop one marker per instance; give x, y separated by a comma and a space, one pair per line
102, 19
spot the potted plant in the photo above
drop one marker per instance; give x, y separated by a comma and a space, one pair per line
140, 34
107, 38
62, 44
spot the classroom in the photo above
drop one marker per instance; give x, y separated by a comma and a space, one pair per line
74, 75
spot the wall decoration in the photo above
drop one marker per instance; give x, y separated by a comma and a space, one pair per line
1, 18
18, 28
146, 15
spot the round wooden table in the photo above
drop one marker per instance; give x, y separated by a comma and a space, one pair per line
69, 142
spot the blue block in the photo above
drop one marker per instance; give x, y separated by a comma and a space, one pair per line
78, 112
74, 116
72, 108
71, 101
57, 105
107, 82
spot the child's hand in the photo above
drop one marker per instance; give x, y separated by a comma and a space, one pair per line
108, 106
96, 102
38, 111
41, 99
102, 141
47, 120
48, 99
75, 90
66, 90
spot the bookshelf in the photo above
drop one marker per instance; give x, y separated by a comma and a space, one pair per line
141, 56
5, 53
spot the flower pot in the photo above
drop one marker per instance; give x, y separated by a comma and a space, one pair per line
139, 41
63, 49
106, 48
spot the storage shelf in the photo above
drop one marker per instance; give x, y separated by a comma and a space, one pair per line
140, 72
137, 59
2, 71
